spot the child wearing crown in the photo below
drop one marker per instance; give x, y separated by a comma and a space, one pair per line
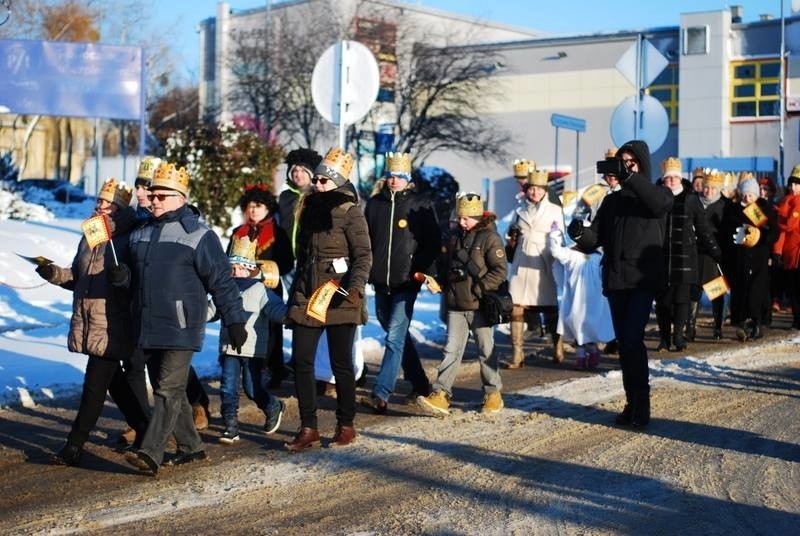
245, 367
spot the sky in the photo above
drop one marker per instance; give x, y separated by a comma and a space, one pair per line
558, 18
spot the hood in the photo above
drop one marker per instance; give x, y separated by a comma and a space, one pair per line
642, 153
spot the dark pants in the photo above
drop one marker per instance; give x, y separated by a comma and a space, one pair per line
134, 368
340, 349
630, 312
275, 351
101, 376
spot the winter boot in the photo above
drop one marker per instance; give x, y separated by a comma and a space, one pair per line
558, 348
68, 455
593, 359
518, 358
581, 362
744, 330
663, 319
691, 323
677, 338
231, 433
626, 417
641, 409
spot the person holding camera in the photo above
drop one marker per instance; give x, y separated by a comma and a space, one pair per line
474, 247
531, 280
630, 227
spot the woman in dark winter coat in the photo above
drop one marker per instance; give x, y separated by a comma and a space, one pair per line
300, 166
630, 227
687, 227
749, 277
259, 206
333, 245
101, 323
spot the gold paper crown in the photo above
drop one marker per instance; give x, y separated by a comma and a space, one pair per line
522, 167
115, 192
243, 251
795, 171
168, 176
398, 163
336, 165
714, 178
744, 175
728, 179
698, 172
269, 273
469, 205
147, 167
611, 152
671, 164
538, 177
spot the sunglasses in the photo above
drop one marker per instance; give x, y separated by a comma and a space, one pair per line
322, 180
161, 197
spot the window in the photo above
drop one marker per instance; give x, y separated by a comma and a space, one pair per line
695, 40
755, 88
665, 89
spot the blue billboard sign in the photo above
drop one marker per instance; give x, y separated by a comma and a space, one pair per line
570, 123
71, 79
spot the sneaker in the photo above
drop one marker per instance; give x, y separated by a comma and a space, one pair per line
274, 415
492, 402
230, 435
437, 401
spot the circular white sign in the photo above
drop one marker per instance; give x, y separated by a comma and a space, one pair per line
650, 126
345, 82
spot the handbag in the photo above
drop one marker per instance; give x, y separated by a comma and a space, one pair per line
496, 305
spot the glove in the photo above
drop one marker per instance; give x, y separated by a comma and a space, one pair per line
353, 296
118, 275
237, 336
575, 229
46, 271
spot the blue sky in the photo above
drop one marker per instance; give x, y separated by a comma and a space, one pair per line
564, 17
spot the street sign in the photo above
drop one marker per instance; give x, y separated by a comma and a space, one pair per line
647, 122
570, 123
652, 63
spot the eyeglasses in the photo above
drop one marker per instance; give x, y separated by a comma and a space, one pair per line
161, 197
322, 180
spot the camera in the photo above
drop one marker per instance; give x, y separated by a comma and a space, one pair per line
612, 166
513, 232
457, 274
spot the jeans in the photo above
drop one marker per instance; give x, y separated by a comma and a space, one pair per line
101, 376
394, 312
244, 372
304, 350
459, 325
630, 312
172, 413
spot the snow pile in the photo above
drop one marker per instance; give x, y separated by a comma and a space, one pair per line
13, 207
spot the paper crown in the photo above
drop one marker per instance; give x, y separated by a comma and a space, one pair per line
699, 172
115, 192
336, 165
269, 273
243, 251
795, 171
745, 175
714, 178
671, 164
522, 167
538, 177
611, 152
398, 164
168, 176
147, 168
469, 205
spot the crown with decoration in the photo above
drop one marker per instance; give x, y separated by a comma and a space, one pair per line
398, 164
469, 205
611, 152
538, 177
243, 251
147, 168
336, 165
699, 172
744, 175
171, 177
671, 164
714, 178
115, 192
522, 167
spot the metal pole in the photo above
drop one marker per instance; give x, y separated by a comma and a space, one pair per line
142, 113
556, 162
782, 100
637, 110
577, 158
340, 48
98, 152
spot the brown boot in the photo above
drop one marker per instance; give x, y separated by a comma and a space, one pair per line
518, 358
558, 348
306, 438
344, 436
200, 416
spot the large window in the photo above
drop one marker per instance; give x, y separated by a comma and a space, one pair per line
755, 88
665, 89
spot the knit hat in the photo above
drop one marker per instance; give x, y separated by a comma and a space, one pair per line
308, 159
748, 186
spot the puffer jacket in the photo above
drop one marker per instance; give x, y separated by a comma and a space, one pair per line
101, 314
630, 227
176, 263
331, 226
788, 244
404, 234
483, 248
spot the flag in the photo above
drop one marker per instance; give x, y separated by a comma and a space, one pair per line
755, 214
320, 300
716, 287
96, 231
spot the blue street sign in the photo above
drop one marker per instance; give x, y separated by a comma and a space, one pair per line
570, 123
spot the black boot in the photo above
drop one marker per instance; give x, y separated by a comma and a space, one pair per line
68, 455
691, 323
663, 346
755, 332
663, 319
626, 417
641, 409
680, 343
744, 330
717, 336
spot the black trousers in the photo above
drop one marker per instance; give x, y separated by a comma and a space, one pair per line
134, 368
101, 376
630, 312
340, 348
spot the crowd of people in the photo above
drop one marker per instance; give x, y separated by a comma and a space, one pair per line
302, 261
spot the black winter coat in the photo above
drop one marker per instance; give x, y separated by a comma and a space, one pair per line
404, 234
630, 227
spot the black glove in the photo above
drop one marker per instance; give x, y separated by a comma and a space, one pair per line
118, 275
46, 271
575, 229
353, 296
237, 336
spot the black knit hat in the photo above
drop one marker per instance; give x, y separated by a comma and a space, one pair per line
258, 193
307, 158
